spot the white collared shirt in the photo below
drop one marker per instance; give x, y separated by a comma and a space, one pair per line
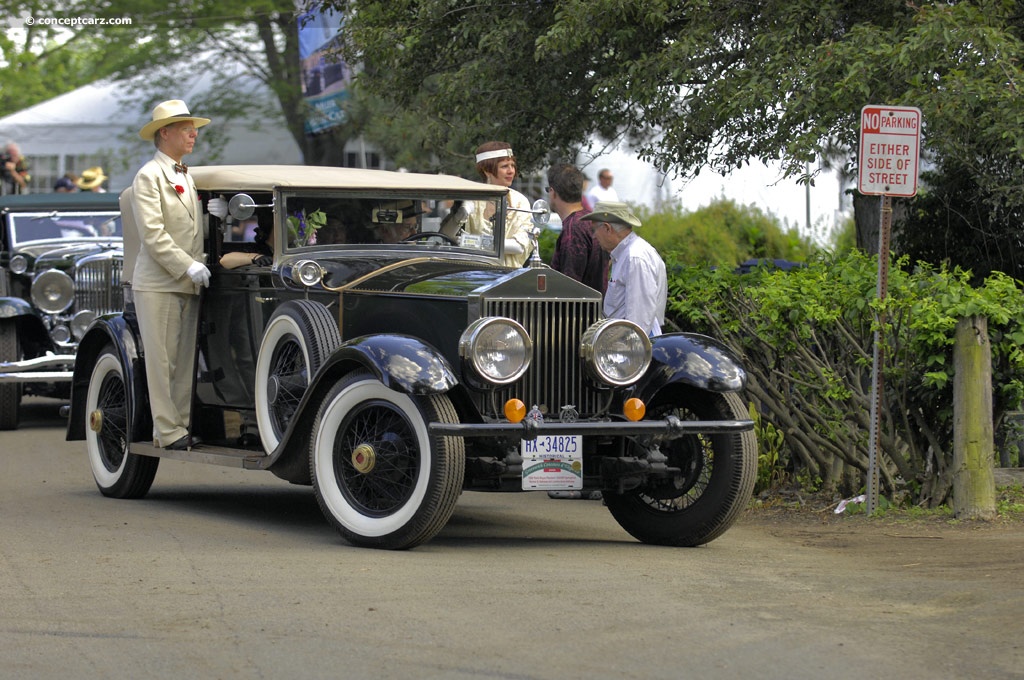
637, 285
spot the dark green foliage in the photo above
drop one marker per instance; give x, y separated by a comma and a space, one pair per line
957, 221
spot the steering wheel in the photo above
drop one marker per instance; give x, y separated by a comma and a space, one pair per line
424, 235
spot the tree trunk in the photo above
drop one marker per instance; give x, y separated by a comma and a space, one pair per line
974, 489
867, 217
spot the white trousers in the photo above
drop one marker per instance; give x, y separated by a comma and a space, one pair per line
168, 323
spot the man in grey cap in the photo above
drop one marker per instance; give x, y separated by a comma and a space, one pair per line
637, 282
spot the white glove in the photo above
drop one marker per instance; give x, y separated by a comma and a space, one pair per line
217, 207
463, 212
199, 274
513, 247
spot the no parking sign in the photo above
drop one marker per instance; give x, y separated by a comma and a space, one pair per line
890, 140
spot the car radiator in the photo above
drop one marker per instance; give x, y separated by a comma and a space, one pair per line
556, 378
98, 285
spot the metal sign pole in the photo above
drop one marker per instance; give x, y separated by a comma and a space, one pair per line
890, 142
877, 377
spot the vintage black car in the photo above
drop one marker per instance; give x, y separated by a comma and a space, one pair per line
60, 268
391, 375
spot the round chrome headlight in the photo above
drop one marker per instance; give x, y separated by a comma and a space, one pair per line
80, 322
616, 351
307, 273
18, 264
499, 350
53, 291
60, 334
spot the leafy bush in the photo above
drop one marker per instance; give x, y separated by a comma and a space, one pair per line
721, 234
806, 338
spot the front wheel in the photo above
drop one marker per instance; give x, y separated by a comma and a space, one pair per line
10, 393
118, 474
379, 476
716, 478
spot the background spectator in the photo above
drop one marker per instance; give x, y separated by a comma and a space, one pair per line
66, 184
13, 170
637, 282
577, 254
603, 191
92, 179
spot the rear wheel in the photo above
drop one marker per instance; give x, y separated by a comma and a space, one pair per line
379, 476
299, 337
714, 486
108, 408
10, 393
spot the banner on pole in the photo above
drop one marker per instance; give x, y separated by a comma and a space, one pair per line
325, 77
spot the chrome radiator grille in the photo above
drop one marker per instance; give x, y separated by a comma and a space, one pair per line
556, 377
98, 285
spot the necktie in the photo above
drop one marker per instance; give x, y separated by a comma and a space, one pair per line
181, 167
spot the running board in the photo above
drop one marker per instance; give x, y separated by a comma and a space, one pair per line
208, 454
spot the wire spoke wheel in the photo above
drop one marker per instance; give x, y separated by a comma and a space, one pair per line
381, 479
108, 412
378, 435
713, 484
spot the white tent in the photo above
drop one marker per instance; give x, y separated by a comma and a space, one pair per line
99, 124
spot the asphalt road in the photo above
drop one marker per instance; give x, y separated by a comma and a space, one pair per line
222, 573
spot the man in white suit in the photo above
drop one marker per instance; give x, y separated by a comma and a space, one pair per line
169, 270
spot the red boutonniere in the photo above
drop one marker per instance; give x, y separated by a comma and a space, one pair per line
180, 189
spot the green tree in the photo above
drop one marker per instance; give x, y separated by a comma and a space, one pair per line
704, 84
41, 61
213, 36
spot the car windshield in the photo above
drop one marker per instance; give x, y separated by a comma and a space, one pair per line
321, 221
40, 226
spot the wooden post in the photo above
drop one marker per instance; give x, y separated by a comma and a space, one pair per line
974, 488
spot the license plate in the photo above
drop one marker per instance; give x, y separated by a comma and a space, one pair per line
562, 444
553, 462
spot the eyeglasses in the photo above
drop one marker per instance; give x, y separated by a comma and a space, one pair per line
605, 177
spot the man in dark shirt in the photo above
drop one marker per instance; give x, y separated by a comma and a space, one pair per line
577, 254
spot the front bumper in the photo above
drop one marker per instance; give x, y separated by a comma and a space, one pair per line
33, 370
670, 428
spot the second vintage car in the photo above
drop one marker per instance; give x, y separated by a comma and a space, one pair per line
385, 356
60, 268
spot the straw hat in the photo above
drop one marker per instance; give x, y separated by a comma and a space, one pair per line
91, 178
166, 113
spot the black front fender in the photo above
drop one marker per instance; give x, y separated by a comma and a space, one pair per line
691, 359
401, 362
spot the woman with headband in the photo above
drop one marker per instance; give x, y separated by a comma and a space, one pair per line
497, 165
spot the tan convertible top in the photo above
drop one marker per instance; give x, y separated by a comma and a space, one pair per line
267, 177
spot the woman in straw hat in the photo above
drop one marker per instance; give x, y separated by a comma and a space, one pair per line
170, 270
92, 179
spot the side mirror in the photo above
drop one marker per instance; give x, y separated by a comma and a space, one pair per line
242, 206
541, 212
